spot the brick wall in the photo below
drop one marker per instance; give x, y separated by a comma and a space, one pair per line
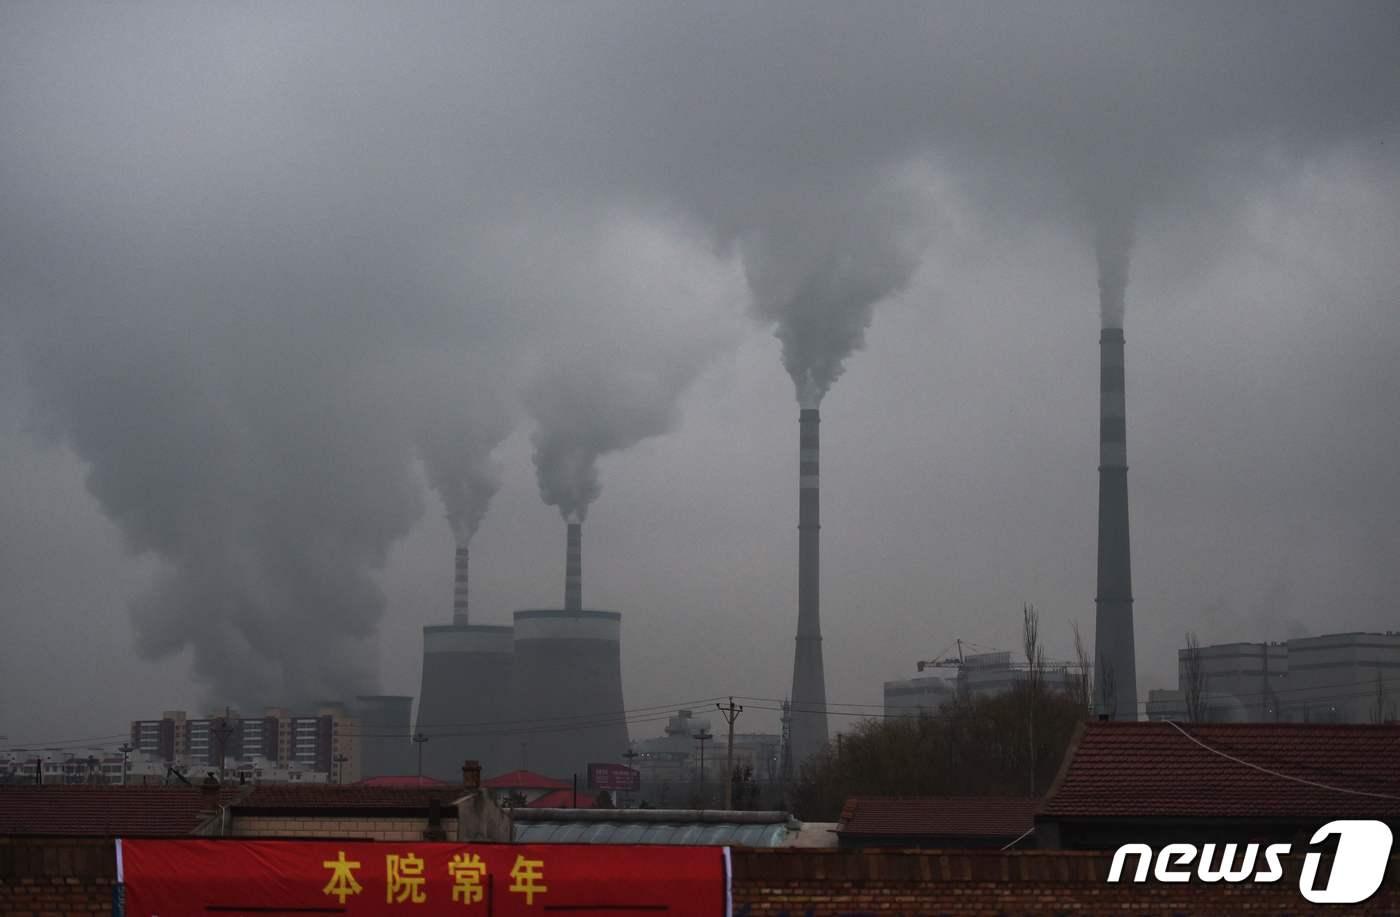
825, 883
61, 876
56, 876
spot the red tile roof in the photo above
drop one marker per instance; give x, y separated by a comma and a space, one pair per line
524, 780
563, 799
107, 811
400, 781
937, 816
329, 798
1154, 770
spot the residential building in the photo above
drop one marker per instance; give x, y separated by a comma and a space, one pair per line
1158, 783
948, 822
276, 745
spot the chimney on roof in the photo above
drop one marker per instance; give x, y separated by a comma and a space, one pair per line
471, 774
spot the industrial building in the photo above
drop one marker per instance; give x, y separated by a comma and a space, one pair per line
977, 675
462, 705
670, 764
544, 694
1333, 678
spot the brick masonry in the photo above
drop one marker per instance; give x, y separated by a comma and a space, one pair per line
56, 876
826, 883
43, 876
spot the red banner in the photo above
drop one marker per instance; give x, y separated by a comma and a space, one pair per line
169, 878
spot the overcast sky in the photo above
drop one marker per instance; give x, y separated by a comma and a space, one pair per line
282, 286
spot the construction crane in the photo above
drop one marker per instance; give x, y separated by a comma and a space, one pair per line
958, 661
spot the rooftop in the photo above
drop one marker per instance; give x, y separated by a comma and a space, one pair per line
524, 780
324, 798
654, 826
1234, 770
107, 810
937, 816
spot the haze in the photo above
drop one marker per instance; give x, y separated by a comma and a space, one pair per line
292, 293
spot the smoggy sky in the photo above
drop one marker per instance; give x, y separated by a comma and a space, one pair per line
292, 295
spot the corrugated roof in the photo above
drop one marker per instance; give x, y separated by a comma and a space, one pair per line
625, 832
653, 826
1280, 770
937, 816
107, 811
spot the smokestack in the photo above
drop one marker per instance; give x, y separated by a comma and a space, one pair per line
1116, 665
459, 588
573, 568
808, 728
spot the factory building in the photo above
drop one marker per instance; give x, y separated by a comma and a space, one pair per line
977, 675
669, 764
1334, 678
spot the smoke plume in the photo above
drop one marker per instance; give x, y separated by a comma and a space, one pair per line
589, 409
456, 447
819, 269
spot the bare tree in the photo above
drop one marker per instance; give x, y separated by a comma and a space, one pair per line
1378, 712
1108, 689
1193, 680
1035, 663
1083, 679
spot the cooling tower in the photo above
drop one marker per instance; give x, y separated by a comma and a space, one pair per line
386, 746
808, 725
464, 699
1115, 659
567, 691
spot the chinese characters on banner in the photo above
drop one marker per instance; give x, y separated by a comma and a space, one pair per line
172, 877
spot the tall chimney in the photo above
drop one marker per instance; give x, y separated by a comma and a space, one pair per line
459, 588
573, 568
808, 727
1116, 664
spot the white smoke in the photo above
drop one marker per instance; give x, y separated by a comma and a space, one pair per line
820, 264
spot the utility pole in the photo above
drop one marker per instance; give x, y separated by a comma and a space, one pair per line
340, 760
702, 737
418, 740
630, 755
224, 730
787, 744
126, 749
730, 714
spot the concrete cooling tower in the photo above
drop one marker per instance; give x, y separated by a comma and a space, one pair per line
464, 699
386, 746
568, 691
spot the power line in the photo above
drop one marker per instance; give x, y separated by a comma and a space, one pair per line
1273, 773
